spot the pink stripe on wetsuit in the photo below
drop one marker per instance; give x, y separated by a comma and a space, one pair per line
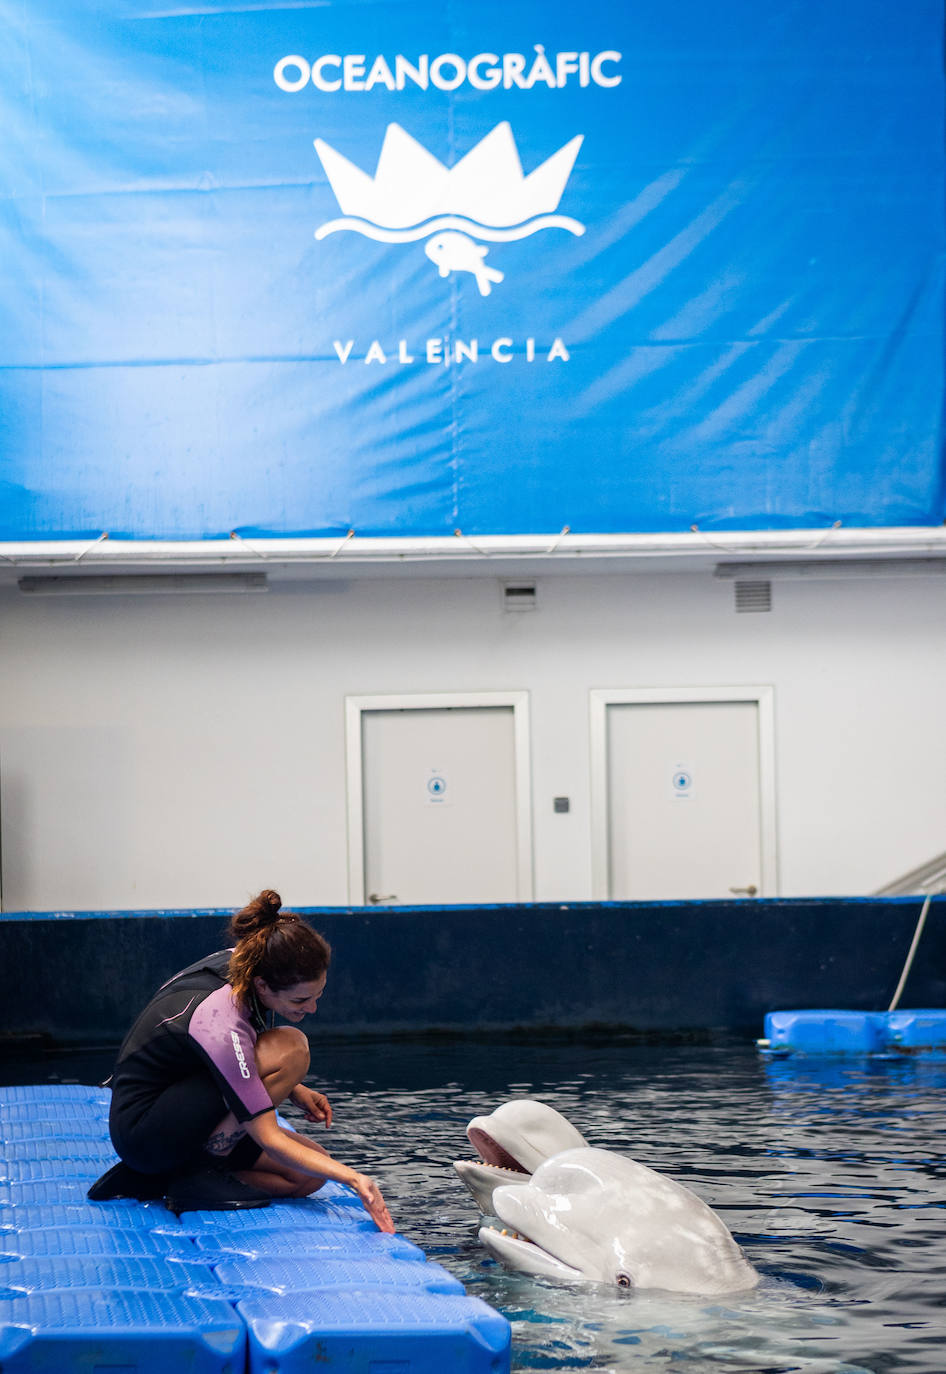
227, 1038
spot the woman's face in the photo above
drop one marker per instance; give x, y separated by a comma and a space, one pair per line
292, 1003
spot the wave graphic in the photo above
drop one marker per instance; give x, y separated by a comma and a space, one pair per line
487, 232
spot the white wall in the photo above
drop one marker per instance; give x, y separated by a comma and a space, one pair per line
186, 751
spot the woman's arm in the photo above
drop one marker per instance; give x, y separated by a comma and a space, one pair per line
282, 1145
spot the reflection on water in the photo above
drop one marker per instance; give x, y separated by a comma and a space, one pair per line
829, 1174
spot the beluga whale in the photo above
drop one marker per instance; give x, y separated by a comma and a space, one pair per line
584, 1215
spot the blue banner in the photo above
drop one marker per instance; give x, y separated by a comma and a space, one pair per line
406, 269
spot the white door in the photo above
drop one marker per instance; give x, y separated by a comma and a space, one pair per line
442, 816
684, 800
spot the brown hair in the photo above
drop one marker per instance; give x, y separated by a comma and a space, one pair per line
275, 945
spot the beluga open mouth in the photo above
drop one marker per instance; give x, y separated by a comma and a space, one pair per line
512, 1142
579, 1214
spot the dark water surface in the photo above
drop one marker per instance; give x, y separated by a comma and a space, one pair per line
830, 1174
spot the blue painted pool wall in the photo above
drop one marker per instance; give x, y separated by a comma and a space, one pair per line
651, 967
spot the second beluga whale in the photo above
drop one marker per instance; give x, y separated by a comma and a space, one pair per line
588, 1215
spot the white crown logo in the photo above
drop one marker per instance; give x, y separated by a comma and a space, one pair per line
411, 185
485, 195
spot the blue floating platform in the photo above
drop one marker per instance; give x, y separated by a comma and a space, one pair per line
916, 1032
423, 1334
307, 1241
69, 1239
20, 1170
41, 1132
61, 1191
128, 1286
299, 1215
836, 1032
139, 1273
287, 1275
59, 1150
50, 1214
38, 1098
141, 1332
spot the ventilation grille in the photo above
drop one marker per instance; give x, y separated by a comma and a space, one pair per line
753, 596
519, 596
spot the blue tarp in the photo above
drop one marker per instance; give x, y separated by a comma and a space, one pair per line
403, 269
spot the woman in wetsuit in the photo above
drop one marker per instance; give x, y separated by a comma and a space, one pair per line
202, 1070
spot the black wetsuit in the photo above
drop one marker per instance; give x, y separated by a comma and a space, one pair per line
188, 1060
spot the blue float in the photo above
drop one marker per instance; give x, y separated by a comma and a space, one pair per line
427, 1334
128, 1285
855, 1032
141, 1332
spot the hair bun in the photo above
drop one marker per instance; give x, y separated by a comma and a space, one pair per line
266, 907
261, 917
260, 914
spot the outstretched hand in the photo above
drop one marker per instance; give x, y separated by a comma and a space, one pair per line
314, 1106
374, 1203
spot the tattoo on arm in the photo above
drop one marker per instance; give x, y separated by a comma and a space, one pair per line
222, 1142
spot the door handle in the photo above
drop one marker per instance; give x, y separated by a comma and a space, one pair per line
375, 898
750, 891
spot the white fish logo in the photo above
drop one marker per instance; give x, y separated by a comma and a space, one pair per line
485, 196
453, 252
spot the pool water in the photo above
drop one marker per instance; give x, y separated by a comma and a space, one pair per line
829, 1173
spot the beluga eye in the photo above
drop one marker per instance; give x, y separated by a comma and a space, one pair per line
624, 1281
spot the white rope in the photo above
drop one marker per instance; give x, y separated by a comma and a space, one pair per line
916, 940
566, 529
83, 552
274, 555
753, 547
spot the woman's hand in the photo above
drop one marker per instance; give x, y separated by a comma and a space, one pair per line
374, 1203
301, 1153
314, 1106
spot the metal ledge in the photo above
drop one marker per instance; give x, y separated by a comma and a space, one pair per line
693, 550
